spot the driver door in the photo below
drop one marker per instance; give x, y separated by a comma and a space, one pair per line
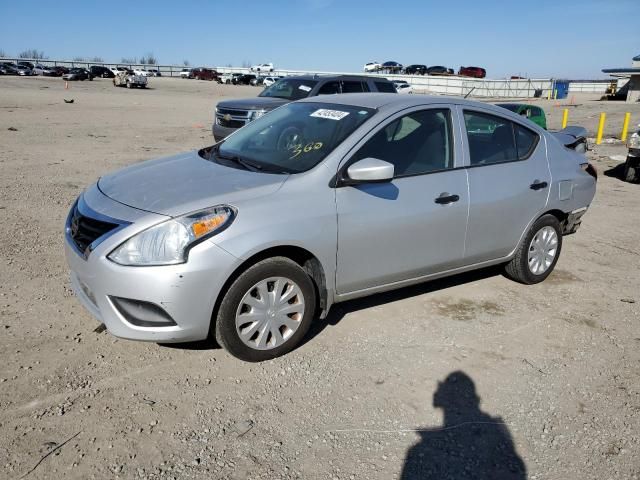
414, 225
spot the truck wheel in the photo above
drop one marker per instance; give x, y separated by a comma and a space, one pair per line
630, 171
538, 253
267, 310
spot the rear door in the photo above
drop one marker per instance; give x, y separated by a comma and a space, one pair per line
509, 180
414, 225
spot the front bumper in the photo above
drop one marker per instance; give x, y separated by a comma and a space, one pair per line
186, 292
220, 132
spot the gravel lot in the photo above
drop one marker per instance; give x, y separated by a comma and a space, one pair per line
383, 389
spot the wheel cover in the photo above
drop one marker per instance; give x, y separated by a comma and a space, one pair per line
542, 250
269, 313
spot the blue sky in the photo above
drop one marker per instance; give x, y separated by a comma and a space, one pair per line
543, 38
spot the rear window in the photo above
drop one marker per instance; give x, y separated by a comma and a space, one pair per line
385, 87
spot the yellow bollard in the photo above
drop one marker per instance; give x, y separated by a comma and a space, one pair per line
600, 128
555, 94
625, 126
565, 117
549, 95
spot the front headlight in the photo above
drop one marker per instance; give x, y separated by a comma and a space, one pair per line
634, 140
255, 114
169, 242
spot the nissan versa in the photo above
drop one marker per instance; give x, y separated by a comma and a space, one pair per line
320, 201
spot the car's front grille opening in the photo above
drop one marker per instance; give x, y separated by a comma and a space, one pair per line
142, 314
231, 123
85, 230
235, 113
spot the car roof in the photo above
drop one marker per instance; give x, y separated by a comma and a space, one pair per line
335, 77
393, 101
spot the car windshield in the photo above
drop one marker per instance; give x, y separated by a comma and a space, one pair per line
291, 89
291, 139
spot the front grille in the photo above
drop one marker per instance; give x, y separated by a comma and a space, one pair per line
85, 230
231, 123
235, 113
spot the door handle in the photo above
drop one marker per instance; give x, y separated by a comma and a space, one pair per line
538, 185
445, 198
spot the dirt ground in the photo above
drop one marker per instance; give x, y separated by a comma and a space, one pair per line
383, 387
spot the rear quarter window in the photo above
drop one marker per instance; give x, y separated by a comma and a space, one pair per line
526, 141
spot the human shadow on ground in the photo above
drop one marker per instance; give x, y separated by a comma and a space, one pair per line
470, 445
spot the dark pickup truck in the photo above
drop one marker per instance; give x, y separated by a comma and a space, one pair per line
232, 114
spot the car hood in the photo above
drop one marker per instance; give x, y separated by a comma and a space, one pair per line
257, 103
185, 183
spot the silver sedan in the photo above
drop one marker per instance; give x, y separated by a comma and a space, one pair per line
318, 202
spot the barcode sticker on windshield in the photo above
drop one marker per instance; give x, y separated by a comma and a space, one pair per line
330, 114
304, 88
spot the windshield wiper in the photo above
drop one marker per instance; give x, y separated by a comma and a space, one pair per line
246, 164
241, 161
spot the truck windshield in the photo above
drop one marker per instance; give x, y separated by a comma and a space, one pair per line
291, 139
290, 89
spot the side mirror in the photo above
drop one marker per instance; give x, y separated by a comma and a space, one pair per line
369, 170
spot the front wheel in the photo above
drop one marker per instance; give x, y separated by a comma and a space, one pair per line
267, 310
538, 253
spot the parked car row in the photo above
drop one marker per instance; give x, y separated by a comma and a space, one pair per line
25, 68
418, 69
20, 68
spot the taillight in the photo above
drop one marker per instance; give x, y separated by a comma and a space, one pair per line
590, 169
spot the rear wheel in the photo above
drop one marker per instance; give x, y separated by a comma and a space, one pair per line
538, 253
267, 310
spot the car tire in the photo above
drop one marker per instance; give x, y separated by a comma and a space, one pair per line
630, 171
538, 253
266, 337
